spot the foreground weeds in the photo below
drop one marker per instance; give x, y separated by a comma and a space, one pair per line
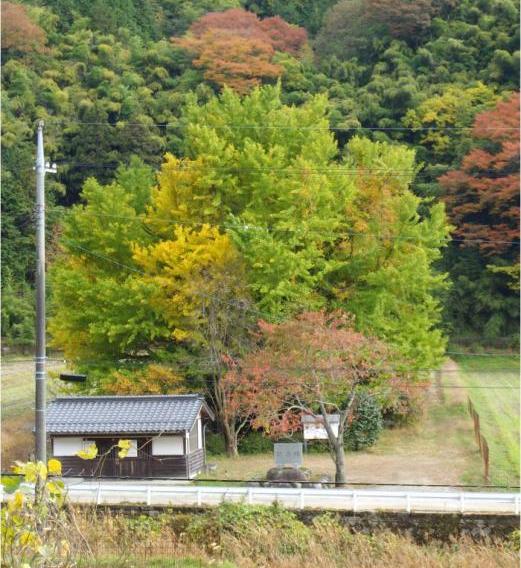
235, 535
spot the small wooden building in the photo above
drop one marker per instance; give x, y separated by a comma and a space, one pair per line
167, 434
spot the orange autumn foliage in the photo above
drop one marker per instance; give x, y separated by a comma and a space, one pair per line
283, 36
482, 197
19, 33
230, 60
315, 357
236, 49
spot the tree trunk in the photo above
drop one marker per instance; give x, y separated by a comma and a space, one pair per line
336, 444
230, 440
340, 463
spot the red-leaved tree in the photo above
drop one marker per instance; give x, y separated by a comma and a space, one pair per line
402, 18
482, 197
284, 36
314, 364
236, 49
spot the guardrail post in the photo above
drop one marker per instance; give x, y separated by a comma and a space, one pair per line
354, 502
408, 501
462, 503
149, 495
517, 499
98, 495
249, 496
198, 496
301, 500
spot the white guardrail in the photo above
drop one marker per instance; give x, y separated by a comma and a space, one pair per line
296, 498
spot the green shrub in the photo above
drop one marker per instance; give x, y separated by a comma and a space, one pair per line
143, 525
249, 523
255, 443
514, 540
317, 447
180, 522
367, 424
215, 444
252, 443
11, 482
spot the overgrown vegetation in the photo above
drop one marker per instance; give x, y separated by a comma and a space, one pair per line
246, 536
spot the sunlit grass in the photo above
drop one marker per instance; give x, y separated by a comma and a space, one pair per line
493, 386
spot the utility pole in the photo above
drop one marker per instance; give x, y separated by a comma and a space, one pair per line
41, 169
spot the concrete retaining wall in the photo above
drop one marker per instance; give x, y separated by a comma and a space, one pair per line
422, 527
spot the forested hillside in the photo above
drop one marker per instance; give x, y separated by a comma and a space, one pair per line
338, 128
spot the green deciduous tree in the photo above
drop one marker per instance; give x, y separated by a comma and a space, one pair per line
385, 259
263, 214
101, 309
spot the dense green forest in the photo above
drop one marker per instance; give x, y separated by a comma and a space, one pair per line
418, 97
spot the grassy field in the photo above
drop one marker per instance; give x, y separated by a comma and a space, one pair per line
17, 381
498, 410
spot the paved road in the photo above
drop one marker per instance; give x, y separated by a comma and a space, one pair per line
168, 494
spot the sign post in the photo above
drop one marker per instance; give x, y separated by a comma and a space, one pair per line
288, 454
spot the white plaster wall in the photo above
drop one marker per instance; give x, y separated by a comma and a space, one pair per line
167, 446
64, 446
132, 451
199, 434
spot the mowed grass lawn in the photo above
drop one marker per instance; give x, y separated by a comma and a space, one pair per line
498, 409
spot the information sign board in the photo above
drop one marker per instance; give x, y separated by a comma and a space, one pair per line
288, 454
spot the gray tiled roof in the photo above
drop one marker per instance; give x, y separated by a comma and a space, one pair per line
123, 414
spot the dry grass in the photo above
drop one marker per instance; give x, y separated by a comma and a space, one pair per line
379, 551
17, 438
115, 543
18, 407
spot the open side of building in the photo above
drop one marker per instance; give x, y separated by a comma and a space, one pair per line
166, 433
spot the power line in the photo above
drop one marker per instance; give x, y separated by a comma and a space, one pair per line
290, 170
278, 126
249, 227
462, 353
135, 270
203, 480
103, 257
207, 364
459, 338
